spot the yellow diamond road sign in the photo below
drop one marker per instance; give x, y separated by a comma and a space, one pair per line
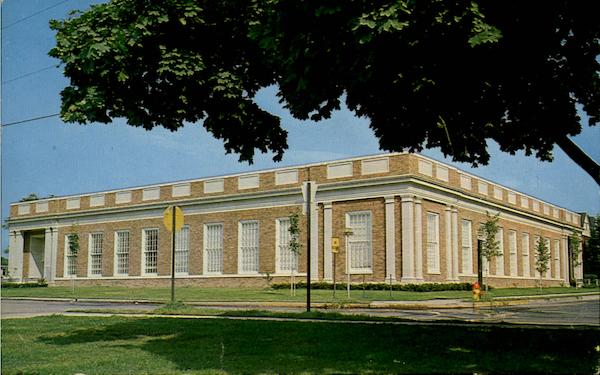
168, 218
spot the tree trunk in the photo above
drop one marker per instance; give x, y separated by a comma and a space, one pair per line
580, 157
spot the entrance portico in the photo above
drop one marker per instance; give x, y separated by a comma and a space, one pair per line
32, 254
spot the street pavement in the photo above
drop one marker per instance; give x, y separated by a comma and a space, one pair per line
564, 312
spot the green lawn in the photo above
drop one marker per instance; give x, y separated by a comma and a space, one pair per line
188, 294
118, 345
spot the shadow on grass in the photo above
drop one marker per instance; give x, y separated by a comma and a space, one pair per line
267, 346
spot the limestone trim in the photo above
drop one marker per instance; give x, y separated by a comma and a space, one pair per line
454, 244
418, 239
327, 233
390, 239
408, 271
448, 233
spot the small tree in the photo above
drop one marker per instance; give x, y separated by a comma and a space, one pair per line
295, 247
73, 247
491, 246
575, 246
542, 258
591, 256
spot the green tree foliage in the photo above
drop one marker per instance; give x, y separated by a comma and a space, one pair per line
575, 246
542, 258
437, 73
591, 255
295, 246
490, 248
30, 197
73, 240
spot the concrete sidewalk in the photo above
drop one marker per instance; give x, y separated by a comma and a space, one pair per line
400, 305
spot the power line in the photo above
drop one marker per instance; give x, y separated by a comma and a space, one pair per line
29, 120
30, 73
34, 14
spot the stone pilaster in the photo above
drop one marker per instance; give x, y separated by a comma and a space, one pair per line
408, 247
390, 239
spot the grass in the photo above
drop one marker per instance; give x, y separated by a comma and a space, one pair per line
119, 345
182, 309
188, 294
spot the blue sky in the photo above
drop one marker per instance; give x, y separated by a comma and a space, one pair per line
50, 157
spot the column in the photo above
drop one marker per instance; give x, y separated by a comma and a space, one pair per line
314, 239
50, 253
390, 240
15, 255
47, 271
565, 258
454, 244
448, 232
327, 233
408, 272
418, 240
54, 252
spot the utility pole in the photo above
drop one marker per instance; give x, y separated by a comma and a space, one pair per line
308, 224
173, 256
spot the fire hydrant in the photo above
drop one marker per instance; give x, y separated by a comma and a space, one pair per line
476, 291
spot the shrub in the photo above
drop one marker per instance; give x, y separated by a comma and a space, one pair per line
37, 284
425, 287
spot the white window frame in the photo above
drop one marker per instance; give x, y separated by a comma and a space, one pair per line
513, 249
241, 270
118, 251
352, 240
91, 237
143, 252
467, 246
433, 243
525, 249
67, 251
182, 250
206, 249
500, 258
285, 260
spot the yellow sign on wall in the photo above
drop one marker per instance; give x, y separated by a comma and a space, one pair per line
168, 218
335, 244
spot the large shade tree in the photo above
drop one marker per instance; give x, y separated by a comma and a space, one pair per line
438, 73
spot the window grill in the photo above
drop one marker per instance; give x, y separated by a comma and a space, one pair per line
248, 246
288, 260
71, 258
182, 250
150, 251
122, 252
557, 258
433, 242
360, 242
213, 248
96, 241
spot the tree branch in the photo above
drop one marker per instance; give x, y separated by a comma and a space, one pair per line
580, 157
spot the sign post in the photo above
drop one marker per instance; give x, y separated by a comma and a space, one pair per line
347, 233
335, 248
173, 220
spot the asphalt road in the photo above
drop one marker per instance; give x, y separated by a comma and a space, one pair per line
569, 313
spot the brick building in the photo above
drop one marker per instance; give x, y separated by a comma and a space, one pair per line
413, 219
